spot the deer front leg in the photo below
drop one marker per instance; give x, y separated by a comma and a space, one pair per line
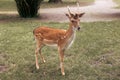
42, 58
38, 50
36, 57
61, 56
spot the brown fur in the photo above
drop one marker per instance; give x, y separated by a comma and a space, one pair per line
61, 38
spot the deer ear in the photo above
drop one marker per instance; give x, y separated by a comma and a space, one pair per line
81, 14
67, 15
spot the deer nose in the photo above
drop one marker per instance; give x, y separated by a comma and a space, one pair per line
78, 28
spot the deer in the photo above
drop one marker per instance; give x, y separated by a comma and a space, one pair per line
60, 38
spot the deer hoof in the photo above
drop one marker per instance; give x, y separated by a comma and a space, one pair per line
37, 67
44, 61
63, 74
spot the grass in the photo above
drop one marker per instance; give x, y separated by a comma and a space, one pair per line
93, 56
9, 5
118, 2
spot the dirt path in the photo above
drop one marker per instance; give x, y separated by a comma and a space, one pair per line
100, 10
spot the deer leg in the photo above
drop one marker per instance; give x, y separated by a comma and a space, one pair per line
38, 50
42, 58
36, 56
61, 56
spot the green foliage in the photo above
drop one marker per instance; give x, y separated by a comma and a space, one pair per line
95, 54
28, 8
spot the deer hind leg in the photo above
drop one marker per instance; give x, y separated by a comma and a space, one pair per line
38, 50
61, 56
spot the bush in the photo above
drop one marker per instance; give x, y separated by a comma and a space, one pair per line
28, 8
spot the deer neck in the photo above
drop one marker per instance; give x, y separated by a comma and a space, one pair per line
69, 37
71, 31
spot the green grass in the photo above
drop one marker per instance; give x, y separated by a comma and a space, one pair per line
118, 2
9, 5
95, 54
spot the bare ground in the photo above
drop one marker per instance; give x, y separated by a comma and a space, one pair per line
3, 67
100, 10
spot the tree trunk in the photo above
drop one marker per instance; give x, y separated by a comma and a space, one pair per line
55, 1
28, 8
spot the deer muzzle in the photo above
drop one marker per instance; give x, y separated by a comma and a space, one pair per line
78, 28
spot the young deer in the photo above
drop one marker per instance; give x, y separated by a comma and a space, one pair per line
62, 39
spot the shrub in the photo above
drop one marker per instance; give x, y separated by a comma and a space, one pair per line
28, 8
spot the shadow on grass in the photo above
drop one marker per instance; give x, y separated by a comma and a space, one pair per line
46, 17
15, 18
109, 15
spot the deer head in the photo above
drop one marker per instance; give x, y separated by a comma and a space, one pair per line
74, 18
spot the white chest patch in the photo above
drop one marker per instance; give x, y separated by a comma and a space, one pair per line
71, 40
